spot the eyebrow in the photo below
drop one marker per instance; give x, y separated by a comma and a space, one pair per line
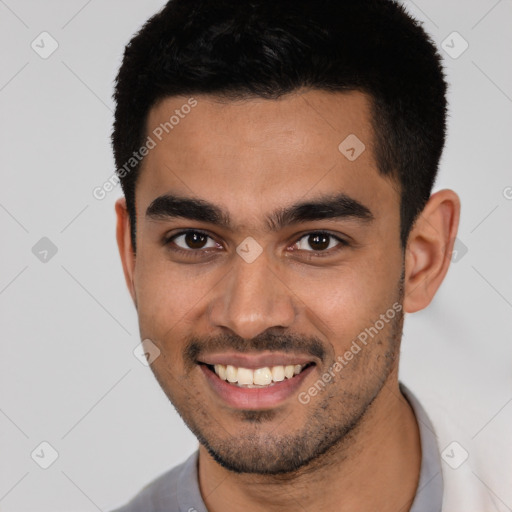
335, 207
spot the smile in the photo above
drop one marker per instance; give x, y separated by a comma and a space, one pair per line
255, 381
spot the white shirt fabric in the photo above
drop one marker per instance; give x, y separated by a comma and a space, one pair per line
476, 467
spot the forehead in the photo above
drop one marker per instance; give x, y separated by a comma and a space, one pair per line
258, 152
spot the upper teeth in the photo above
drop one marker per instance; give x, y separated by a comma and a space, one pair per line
260, 376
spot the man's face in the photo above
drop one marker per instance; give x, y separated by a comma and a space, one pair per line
290, 251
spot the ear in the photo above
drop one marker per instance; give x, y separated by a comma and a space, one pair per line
124, 243
429, 249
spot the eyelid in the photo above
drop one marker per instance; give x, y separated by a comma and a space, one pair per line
167, 239
206, 247
342, 242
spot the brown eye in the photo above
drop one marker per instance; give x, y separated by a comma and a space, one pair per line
193, 240
318, 242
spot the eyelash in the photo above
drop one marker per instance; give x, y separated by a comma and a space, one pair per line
197, 252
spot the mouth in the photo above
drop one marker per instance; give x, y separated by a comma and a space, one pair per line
255, 382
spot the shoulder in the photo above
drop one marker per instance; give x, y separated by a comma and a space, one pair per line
162, 493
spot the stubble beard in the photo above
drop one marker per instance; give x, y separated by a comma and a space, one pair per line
333, 417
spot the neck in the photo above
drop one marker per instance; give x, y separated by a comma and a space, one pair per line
375, 467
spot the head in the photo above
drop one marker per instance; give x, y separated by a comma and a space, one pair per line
279, 206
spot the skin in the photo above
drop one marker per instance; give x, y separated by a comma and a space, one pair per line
356, 444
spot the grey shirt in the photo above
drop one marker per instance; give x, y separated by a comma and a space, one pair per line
178, 489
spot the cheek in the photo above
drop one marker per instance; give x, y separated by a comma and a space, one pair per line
343, 301
166, 295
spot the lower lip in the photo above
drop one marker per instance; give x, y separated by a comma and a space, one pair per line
255, 398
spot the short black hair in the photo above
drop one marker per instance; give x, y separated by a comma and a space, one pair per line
267, 48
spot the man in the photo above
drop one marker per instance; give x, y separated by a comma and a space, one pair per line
277, 161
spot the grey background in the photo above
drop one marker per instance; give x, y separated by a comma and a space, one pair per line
68, 375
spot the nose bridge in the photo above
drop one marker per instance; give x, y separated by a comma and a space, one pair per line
252, 299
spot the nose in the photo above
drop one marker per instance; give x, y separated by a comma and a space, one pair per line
251, 299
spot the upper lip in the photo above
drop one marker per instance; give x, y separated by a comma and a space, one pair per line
254, 361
